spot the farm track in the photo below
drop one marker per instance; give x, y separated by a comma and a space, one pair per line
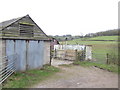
79, 77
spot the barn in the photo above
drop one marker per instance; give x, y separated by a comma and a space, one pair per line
24, 46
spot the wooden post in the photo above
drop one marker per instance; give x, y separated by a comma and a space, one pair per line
76, 57
107, 62
65, 53
84, 57
50, 55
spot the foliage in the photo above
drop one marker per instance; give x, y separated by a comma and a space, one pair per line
25, 79
113, 56
104, 33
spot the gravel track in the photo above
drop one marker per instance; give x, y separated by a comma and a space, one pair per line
79, 77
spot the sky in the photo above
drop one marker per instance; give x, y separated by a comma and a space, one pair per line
61, 17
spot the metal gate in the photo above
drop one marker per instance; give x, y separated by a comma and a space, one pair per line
7, 67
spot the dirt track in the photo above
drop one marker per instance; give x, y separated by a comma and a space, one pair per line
80, 77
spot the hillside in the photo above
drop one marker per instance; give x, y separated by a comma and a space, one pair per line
103, 38
104, 33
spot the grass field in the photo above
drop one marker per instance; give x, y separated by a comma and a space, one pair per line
103, 38
28, 78
100, 48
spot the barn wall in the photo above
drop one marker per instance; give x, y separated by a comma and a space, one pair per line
37, 30
30, 54
47, 53
13, 30
2, 53
2, 48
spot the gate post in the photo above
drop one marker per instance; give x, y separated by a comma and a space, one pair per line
76, 56
107, 62
51, 55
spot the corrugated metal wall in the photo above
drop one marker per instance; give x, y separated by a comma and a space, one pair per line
30, 53
35, 54
9, 50
9, 47
20, 50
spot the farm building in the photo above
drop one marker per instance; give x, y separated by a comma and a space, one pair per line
23, 43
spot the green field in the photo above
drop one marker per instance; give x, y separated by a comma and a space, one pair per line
103, 38
100, 48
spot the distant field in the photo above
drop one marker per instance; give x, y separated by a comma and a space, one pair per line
104, 38
100, 48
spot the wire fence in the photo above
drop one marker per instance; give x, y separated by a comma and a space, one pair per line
105, 58
7, 67
99, 58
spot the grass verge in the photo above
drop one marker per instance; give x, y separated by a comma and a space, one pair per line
30, 77
111, 68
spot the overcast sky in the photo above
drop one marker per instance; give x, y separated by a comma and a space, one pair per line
60, 17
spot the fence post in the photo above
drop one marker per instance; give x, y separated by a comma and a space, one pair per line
83, 54
107, 57
50, 55
76, 57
